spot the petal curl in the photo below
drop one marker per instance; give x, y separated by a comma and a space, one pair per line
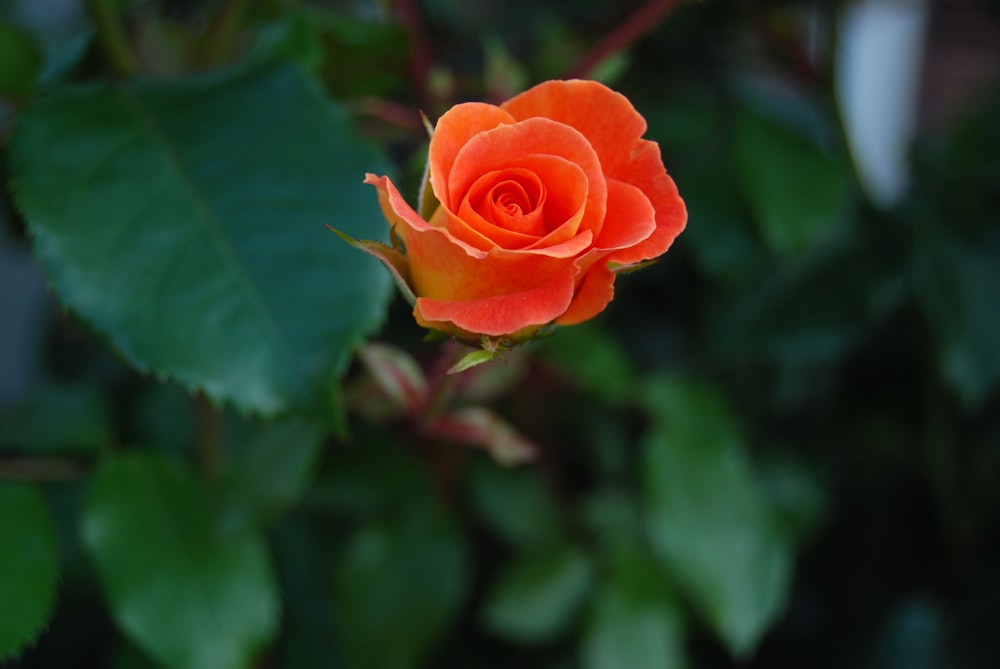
595, 292
645, 171
605, 117
631, 218
502, 314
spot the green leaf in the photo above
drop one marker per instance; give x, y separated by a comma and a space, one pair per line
537, 596
185, 596
957, 275
274, 466
706, 515
28, 567
58, 419
398, 587
592, 357
184, 222
515, 504
20, 61
635, 621
797, 193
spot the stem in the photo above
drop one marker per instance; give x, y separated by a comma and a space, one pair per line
420, 51
642, 21
211, 447
220, 37
111, 36
41, 469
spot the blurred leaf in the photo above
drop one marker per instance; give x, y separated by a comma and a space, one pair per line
186, 597
199, 253
58, 419
19, 61
483, 428
515, 504
957, 276
812, 312
398, 585
272, 471
914, 636
368, 478
28, 567
592, 358
796, 192
292, 37
537, 595
635, 621
397, 375
376, 50
798, 500
706, 514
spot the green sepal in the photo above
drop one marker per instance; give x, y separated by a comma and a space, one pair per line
391, 256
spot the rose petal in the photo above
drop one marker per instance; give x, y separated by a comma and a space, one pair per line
645, 171
559, 214
606, 118
593, 295
630, 220
511, 146
502, 314
453, 131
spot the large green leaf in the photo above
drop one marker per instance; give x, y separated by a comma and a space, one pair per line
706, 514
184, 221
27, 566
187, 597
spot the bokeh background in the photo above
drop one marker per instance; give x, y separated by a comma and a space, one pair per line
778, 447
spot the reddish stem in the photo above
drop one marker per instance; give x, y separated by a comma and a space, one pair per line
420, 51
642, 21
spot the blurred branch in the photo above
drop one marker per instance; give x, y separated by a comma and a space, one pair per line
220, 37
41, 469
211, 444
391, 113
637, 25
420, 51
111, 37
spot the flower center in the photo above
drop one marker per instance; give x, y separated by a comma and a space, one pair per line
511, 199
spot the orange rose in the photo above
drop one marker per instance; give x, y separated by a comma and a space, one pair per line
536, 205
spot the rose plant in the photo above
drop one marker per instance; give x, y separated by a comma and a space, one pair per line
529, 211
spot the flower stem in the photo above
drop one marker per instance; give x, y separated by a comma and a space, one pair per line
642, 21
111, 36
41, 469
420, 51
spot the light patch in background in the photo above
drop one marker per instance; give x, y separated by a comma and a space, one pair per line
879, 61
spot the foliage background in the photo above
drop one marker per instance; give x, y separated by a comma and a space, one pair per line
779, 446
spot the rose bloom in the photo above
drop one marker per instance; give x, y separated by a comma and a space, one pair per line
537, 205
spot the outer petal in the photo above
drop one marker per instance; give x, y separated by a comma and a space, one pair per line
646, 172
593, 295
631, 218
606, 118
502, 314
453, 130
